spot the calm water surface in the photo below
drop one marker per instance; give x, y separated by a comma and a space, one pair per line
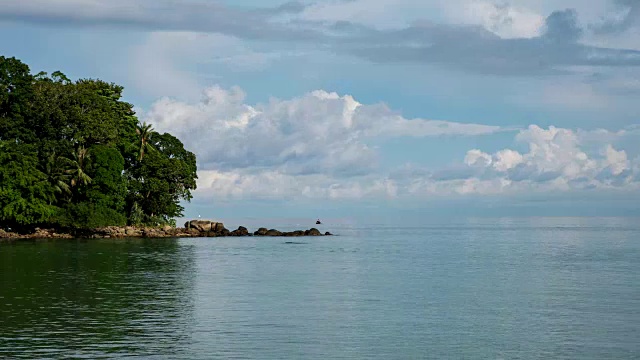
475, 289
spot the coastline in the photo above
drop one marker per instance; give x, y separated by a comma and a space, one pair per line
193, 228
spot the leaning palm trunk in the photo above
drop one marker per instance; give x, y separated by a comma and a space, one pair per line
144, 131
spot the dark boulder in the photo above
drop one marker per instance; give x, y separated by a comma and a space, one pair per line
218, 227
261, 232
240, 231
328, 234
313, 232
273, 232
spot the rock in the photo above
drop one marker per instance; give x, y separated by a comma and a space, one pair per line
194, 228
152, 233
261, 232
218, 227
328, 234
273, 232
112, 231
181, 232
133, 232
241, 231
200, 225
204, 225
42, 233
313, 232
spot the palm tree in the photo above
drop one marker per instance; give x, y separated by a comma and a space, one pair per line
76, 165
56, 174
144, 131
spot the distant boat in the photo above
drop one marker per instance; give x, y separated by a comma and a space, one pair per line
318, 222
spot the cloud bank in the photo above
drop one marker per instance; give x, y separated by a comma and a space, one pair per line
320, 146
473, 36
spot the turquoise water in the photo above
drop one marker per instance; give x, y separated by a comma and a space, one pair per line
475, 289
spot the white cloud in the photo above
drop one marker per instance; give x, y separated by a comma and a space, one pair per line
616, 160
319, 132
503, 20
557, 159
476, 157
507, 159
275, 185
318, 146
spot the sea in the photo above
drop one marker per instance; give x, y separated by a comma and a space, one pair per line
488, 288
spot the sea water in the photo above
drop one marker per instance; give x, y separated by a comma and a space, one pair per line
529, 288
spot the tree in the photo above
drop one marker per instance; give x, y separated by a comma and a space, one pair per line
163, 179
73, 153
76, 167
25, 194
101, 202
56, 174
108, 188
144, 131
16, 92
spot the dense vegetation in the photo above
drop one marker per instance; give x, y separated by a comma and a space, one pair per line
74, 155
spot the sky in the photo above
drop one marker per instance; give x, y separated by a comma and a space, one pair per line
369, 108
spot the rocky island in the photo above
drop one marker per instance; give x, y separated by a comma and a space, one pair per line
76, 162
193, 228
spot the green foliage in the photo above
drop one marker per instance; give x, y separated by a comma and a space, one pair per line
163, 178
85, 215
58, 178
74, 154
15, 95
136, 216
25, 193
75, 167
144, 132
108, 189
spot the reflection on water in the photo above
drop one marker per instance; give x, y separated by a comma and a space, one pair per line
92, 299
483, 289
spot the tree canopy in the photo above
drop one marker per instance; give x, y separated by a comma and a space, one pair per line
73, 154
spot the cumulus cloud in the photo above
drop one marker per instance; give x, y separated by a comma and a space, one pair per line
320, 132
313, 146
557, 159
319, 146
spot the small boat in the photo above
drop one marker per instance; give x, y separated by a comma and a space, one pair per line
318, 222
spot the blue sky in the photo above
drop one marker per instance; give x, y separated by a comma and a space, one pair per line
357, 107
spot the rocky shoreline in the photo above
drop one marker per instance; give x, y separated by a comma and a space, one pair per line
193, 228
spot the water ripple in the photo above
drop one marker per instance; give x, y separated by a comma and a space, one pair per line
518, 289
